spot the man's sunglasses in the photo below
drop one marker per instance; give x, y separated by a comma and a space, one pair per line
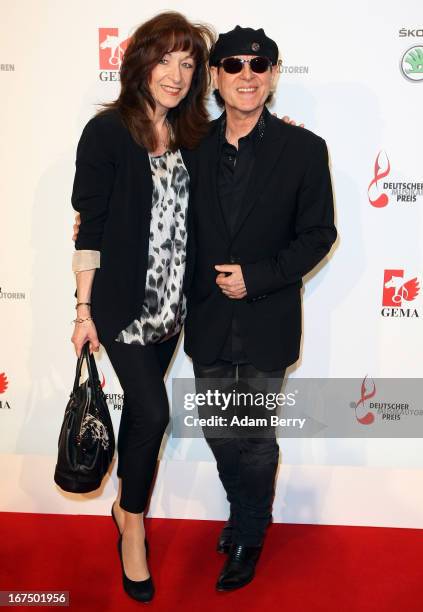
233, 65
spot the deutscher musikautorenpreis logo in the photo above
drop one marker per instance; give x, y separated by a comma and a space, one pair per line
366, 412
285, 68
4, 383
7, 294
401, 294
383, 190
362, 412
111, 49
114, 400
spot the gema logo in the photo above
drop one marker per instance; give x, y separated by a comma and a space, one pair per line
399, 290
381, 192
111, 48
4, 383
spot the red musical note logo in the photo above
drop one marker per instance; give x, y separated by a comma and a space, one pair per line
366, 394
376, 199
396, 290
112, 48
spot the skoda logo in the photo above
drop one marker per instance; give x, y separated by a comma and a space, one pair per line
412, 64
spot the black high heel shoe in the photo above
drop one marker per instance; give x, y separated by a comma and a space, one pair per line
120, 533
141, 590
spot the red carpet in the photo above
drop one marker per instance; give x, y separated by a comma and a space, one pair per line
303, 568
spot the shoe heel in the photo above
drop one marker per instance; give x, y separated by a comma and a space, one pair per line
140, 590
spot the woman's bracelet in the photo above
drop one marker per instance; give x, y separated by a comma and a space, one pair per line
83, 304
79, 320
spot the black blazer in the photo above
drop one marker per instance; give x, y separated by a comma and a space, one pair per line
286, 227
112, 191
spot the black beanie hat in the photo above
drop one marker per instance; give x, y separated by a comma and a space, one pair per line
243, 41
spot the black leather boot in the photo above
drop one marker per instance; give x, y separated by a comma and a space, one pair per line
225, 539
239, 568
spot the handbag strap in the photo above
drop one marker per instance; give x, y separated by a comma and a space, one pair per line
91, 367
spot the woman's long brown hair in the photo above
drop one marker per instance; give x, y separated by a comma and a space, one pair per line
169, 31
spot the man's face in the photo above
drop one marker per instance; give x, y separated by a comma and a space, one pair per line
245, 91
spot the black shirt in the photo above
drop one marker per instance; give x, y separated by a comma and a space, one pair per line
235, 166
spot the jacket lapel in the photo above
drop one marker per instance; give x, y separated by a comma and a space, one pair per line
268, 152
211, 160
143, 187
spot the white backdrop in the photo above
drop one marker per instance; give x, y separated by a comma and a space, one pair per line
345, 76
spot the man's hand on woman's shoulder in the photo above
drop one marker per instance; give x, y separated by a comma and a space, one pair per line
289, 120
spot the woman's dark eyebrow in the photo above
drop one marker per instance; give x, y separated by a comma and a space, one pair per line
186, 57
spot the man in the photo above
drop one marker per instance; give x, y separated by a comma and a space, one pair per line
263, 217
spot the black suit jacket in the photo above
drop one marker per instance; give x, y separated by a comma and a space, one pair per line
112, 191
285, 228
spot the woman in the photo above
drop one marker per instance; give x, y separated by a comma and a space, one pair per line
131, 188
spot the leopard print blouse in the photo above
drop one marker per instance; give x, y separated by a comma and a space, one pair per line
164, 309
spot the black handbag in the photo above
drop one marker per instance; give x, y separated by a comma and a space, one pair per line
86, 440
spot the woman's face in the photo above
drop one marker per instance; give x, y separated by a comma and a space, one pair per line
171, 79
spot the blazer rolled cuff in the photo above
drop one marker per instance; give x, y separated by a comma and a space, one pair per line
85, 260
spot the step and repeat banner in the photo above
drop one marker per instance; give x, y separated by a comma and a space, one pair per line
352, 74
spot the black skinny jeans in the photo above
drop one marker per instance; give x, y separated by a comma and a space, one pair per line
145, 415
246, 465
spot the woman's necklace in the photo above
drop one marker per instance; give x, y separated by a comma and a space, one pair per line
164, 141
